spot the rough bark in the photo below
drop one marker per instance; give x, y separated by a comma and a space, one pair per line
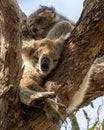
86, 41
10, 65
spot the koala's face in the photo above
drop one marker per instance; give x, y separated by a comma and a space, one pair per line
43, 55
40, 21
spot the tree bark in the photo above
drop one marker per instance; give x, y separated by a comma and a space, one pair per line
10, 65
86, 41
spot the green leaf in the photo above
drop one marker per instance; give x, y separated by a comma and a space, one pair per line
92, 105
86, 115
103, 125
93, 127
74, 123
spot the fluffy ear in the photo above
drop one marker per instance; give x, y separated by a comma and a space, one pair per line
63, 39
28, 51
48, 12
28, 47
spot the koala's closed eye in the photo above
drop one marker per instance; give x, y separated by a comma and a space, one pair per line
42, 44
35, 58
55, 60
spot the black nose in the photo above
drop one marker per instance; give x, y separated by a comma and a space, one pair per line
45, 63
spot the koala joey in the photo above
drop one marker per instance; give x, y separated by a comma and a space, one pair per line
41, 22
23, 19
40, 57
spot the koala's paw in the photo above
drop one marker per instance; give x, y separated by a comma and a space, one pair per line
52, 113
55, 117
37, 98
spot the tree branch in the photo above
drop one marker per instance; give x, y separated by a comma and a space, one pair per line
86, 41
97, 82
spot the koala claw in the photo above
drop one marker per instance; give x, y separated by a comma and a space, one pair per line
56, 103
37, 99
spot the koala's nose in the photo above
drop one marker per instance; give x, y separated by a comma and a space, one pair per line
45, 63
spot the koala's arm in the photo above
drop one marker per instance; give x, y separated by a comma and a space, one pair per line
61, 28
30, 92
41, 99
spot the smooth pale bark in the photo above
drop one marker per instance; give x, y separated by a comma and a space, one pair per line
86, 41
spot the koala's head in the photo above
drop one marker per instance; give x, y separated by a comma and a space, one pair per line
40, 20
43, 54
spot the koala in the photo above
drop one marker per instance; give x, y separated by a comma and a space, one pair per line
41, 22
40, 57
24, 30
61, 28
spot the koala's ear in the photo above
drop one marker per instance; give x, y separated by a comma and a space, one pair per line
47, 12
28, 51
28, 47
63, 39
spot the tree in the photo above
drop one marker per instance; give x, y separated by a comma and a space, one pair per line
84, 45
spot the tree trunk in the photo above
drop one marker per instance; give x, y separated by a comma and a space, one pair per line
86, 41
10, 65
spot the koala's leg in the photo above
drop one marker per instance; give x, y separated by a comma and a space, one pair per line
34, 95
61, 28
52, 112
42, 100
